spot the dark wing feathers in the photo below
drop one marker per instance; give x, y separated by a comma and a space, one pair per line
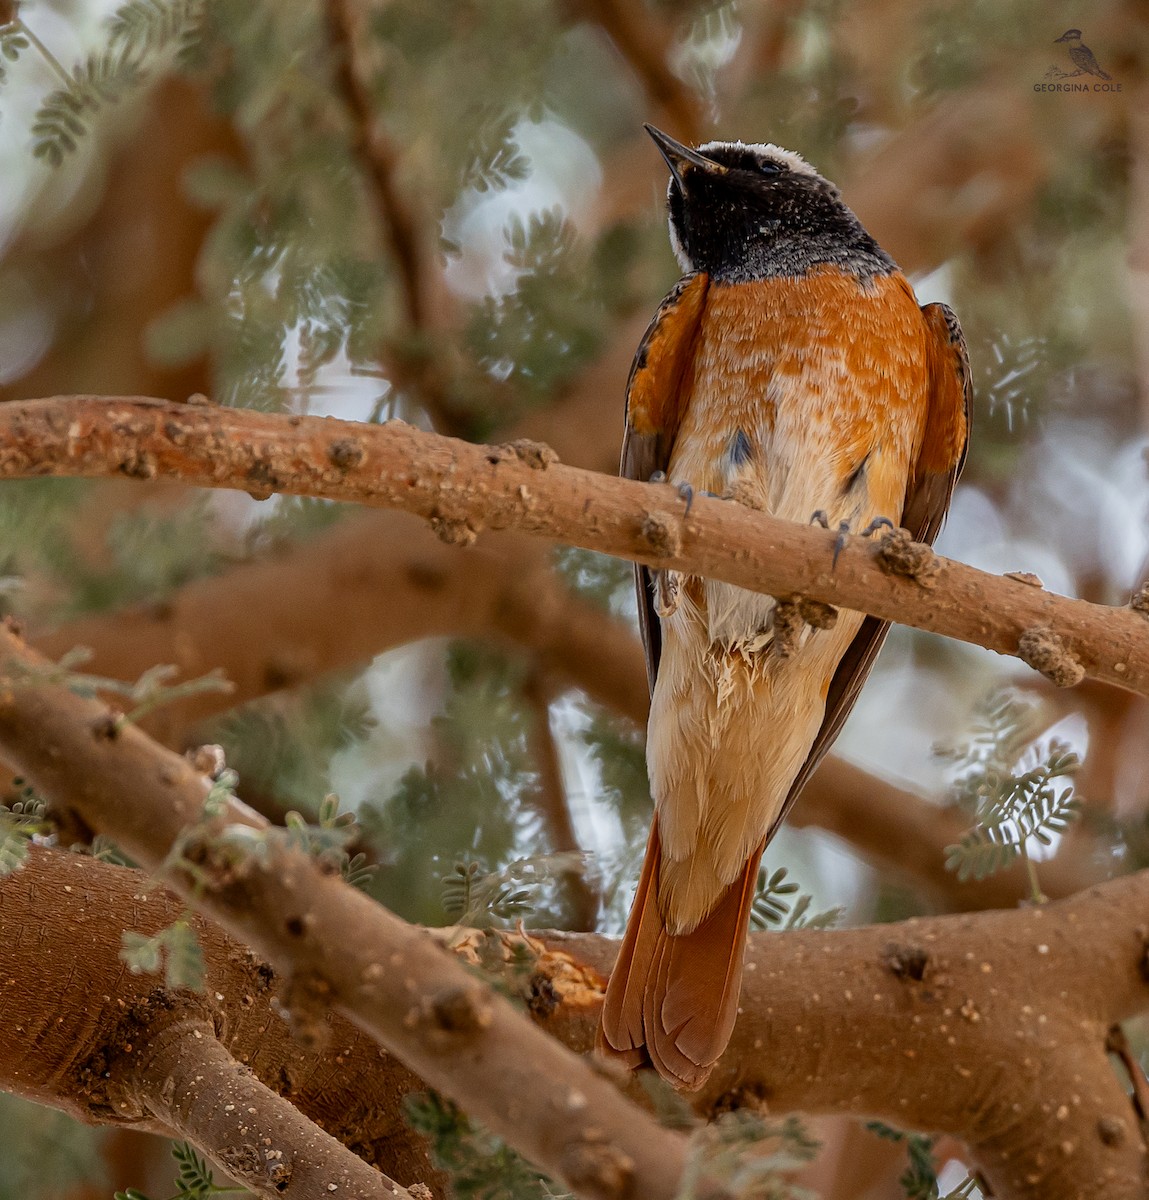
654, 404
940, 461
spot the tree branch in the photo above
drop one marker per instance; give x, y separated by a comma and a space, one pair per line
82, 1033
285, 619
992, 1028
463, 489
415, 362
341, 949
194, 1087
645, 45
378, 158
552, 806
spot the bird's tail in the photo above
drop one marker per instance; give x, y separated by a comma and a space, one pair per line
673, 998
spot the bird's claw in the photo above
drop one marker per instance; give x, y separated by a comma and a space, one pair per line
684, 490
876, 524
839, 542
820, 518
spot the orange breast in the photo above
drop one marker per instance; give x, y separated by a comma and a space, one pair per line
825, 376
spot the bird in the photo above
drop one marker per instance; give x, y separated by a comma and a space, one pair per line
1080, 55
790, 369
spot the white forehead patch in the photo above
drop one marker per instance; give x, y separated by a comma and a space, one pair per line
765, 151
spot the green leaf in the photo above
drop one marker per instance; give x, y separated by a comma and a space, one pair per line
185, 962
143, 954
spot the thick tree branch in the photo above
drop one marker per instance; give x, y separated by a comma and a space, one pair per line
80, 1032
376, 581
463, 489
340, 948
993, 1028
194, 1088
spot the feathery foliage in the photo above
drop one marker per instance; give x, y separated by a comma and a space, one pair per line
481, 1166
138, 34
195, 1180
146, 694
330, 840
175, 950
919, 1180
776, 904
1009, 801
20, 821
478, 898
13, 43
752, 1157
284, 748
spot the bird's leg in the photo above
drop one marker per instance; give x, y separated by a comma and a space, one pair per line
667, 587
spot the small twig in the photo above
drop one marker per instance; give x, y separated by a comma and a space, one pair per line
553, 806
1117, 1043
1035, 892
377, 154
45, 53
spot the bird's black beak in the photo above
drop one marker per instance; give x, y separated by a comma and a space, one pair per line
681, 159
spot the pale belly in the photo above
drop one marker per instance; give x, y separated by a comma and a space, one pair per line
732, 720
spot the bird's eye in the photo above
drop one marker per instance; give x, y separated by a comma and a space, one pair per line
769, 166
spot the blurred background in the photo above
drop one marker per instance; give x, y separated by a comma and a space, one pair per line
448, 213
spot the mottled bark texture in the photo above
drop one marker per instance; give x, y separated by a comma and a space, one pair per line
82, 1033
463, 489
992, 1028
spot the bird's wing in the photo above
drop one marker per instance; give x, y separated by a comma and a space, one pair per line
939, 463
655, 401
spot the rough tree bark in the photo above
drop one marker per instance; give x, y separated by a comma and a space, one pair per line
464, 489
875, 1014
993, 1028
340, 949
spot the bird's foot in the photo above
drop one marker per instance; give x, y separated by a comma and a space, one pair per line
684, 490
820, 518
876, 524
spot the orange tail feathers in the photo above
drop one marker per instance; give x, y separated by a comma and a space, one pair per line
672, 999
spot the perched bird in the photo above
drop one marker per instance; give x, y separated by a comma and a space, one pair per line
790, 369
1080, 55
